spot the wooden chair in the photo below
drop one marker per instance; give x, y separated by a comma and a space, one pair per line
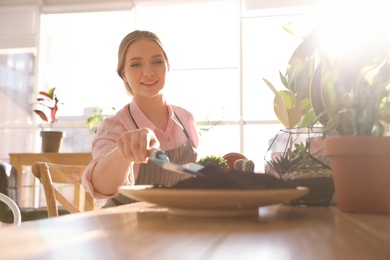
15, 209
51, 173
10, 187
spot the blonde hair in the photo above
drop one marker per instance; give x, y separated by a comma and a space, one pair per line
127, 41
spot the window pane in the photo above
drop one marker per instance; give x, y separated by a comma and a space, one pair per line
256, 142
267, 48
220, 140
208, 94
196, 35
77, 140
16, 141
16, 88
82, 51
203, 53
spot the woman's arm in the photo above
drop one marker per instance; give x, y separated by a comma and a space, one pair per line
132, 147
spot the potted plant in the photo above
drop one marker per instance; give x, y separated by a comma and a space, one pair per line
349, 96
356, 107
47, 107
295, 153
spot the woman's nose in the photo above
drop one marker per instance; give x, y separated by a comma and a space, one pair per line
148, 70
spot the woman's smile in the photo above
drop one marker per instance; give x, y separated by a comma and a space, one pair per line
149, 83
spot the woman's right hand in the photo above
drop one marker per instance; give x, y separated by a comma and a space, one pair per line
135, 145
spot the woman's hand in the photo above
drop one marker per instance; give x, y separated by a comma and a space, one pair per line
135, 145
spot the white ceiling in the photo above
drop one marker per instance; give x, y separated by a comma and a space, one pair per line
56, 2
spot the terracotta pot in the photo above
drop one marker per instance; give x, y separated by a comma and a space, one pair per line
52, 141
361, 172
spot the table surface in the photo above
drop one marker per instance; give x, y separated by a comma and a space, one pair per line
20, 159
146, 231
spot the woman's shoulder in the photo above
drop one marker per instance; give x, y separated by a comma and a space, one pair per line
181, 111
120, 118
123, 112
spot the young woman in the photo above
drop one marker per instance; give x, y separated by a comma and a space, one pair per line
123, 142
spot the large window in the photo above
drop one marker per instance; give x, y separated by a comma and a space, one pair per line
16, 86
219, 52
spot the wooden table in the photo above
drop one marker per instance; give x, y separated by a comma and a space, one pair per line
18, 160
145, 231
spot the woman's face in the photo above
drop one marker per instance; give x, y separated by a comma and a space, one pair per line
145, 68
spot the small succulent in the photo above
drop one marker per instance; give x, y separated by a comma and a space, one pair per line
299, 158
244, 165
213, 159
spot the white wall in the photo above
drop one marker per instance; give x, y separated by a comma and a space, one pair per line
18, 27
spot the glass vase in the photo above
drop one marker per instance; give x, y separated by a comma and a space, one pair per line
295, 155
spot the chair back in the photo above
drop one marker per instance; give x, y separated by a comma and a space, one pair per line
9, 181
9, 186
15, 209
51, 173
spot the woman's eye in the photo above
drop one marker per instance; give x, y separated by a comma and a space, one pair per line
158, 62
135, 65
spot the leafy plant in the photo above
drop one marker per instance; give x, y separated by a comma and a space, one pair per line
213, 159
348, 93
97, 118
355, 100
48, 106
293, 105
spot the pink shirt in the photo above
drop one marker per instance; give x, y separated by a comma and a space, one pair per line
105, 139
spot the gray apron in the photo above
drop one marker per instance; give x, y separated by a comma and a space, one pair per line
151, 174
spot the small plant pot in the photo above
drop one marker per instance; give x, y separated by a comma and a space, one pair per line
52, 141
361, 172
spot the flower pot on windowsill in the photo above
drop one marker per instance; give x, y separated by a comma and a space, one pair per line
52, 141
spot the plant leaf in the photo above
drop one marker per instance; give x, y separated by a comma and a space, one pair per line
287, 109
41, 115
269, 84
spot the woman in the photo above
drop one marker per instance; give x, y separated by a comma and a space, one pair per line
123, 142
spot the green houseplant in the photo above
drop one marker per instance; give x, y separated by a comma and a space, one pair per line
348, 95
46, 109
356, 107
295, 153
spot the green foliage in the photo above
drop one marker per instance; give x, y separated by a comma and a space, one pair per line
347, 92
355, 100
96, 119
47, 101
292, 105
213, 159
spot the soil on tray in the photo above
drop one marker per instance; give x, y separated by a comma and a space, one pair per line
214, 177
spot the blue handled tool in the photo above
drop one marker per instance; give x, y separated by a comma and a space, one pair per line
161, 159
